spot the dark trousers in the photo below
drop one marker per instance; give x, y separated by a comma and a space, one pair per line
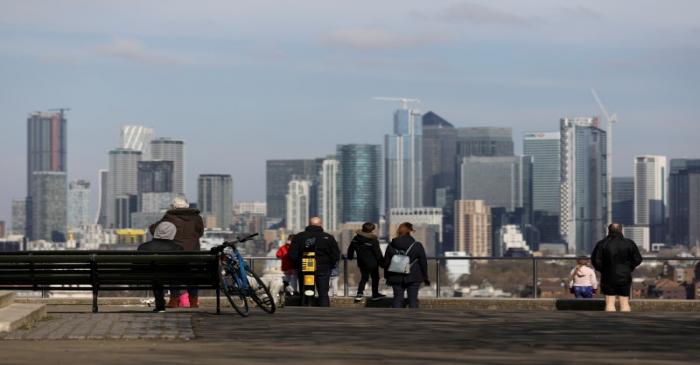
322, 280
158, 294
400, 289
365, 275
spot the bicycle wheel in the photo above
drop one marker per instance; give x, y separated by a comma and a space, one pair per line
236, 296
260, 293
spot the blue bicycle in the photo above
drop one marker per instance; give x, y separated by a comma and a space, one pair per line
239, 282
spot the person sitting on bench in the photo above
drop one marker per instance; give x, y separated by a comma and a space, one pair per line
162, 241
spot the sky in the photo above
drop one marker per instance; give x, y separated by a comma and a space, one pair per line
245, 81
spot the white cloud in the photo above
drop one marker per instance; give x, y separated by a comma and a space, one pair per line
135, 51
378, 39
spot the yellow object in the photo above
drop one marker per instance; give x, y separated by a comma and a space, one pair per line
309, 280
308, 262
130, 236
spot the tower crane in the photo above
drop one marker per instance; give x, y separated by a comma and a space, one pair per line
611, 120
60, 110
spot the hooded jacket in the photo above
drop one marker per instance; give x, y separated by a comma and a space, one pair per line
616, 257
419, 267
369, 255
325, 246
189, 224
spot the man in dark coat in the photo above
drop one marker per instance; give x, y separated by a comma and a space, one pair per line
615, 257
162, 241
369, 260
190, 228
327, 255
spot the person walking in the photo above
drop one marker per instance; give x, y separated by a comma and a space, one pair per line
326, 252
290, 273
616, 257
162, 241
583, 282
190, 228
369, 260
407, 280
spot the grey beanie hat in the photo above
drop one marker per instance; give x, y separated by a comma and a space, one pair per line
165, 231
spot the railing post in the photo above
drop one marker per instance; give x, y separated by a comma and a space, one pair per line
437, 277
534, 277
346, 290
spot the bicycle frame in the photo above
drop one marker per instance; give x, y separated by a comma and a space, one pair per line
235, 263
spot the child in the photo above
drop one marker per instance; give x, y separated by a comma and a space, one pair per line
290, 273
583, 283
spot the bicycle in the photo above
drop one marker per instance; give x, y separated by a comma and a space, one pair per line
239, 282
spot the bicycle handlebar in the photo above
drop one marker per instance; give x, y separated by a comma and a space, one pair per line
220, 247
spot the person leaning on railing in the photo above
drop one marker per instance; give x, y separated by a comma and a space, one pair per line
416, 273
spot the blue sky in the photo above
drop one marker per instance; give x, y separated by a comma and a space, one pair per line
242, 82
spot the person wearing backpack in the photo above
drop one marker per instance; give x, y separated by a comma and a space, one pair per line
406, 266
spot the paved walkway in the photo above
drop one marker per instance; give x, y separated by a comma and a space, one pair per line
369, 335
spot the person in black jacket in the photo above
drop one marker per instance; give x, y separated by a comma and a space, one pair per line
616, 257
162, 241
369, 260
327, 255
401, 283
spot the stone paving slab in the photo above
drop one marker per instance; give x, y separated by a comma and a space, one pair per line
108, 326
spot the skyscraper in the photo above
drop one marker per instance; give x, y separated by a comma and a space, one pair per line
684, 201
623, 200
136, 137
298, 204
546, 176
439, 150
278, 175
46, 151
19, 217
360, 182
584, 183
473, 227
484, 141
404, 161
122, 183
48, 206
78, 204
499, 181
167, 149
650, 195
215, 199
155, 177
328, 194
103, 195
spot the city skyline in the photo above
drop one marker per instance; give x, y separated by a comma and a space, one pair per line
510, 65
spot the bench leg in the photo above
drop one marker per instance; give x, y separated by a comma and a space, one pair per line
94, 300
218, 300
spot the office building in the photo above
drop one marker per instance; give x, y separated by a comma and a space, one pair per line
360, 183
49, 206
584, 183
102, 195
19, 217
156, 176
439, 150
623, 200
511, 241
215, 200
404, 161
640, 236
278, 175
78, 204
136, 137
122, 183
46, 151
125, 206
328, 198
166, 149
499, 181
484, 142
545, 151
298, 204
2, 229
259, 208
473, 228
422, 216
650, 195
684, 202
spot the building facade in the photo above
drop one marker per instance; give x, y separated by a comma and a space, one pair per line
403, 152
122, 182
684, 202
650, 195
103, 196
473, 228
19, 217
298, 203
623, 200
422, 216
278, 174
215, 200
584, 180
546, 175
439, 157
360, 182
136, 137
78, 204
49, 206
484, 142
499, 181
166, 149
640, 236
329, 177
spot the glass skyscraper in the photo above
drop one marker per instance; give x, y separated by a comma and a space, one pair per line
404, 161
78, 204
684, 201
215, 200
167, 149
623, 200
359, 182
278, 175
48, 206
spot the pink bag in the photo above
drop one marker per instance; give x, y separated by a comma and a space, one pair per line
184, 300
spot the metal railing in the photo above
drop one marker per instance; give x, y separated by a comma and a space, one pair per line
438, 260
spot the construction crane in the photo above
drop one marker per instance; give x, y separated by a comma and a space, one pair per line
60, 110
404, 101
611, 119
